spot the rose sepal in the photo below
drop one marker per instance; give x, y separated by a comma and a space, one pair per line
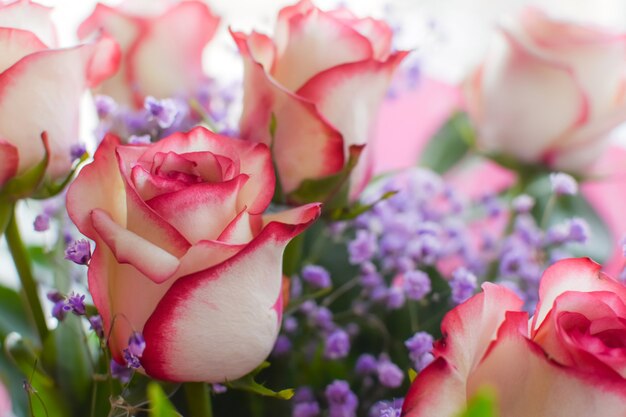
26, 185
248, 383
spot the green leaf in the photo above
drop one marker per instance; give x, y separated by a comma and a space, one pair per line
599, 245
247, 383
51, 189
74, 376
332, 190
6, 211
160, 405
483, 404
27, 183
412, 375
449, 145
355, 210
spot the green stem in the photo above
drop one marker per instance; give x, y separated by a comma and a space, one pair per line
29, 285
198, 399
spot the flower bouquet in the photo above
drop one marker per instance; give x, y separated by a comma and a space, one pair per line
335, 233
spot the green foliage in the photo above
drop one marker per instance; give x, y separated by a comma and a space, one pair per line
483, 404
449, 145
160, 404
248, 383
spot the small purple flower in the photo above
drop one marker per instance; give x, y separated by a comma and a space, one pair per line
41, 223
390, 412
419, 344
366, 364
389, 374
416, 284
136, 344
139, 140
523, 203
78, 252
337, 345
163, 111
282, 346
463, 285
303, 394
290, 324
316, 276
563, 184
341, 400
77, 151
363, 247
322, 318
58, 309
121, 372
75, 303
578, 230
395, 298
306, 409
218, 388
95, 324
105, 106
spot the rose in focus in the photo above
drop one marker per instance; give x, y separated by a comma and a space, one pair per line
184, 252
569, 359
41, 89
162, 43
321, 79
549, 92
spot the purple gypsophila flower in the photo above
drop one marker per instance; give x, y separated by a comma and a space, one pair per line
77, 151
419, 344
78, 252
523, 203
41, 223
121, 372
218, 388
363, 247
337, 345
416, 284
563, 184
105, 106
389, 374
463, 284
163, 111
58, 309
341, 400
134, 351
395, 298
366, 364
282, 346
579, 230
316, 276
75, 303
139, 140
306, 409
95, 324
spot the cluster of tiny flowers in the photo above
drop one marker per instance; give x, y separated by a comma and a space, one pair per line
160, 117
73, 303
132, 358
420, 346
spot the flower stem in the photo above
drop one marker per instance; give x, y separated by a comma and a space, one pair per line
29, 285
198, 399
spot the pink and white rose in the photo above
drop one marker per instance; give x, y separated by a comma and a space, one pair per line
184, 252
162, 43
41, 89
549, 92
322, 77
568, 360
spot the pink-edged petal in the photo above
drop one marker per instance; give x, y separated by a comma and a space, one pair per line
242, 229
9, 159
262, 50
219, 324
99, 185
42, 92
127, 247
526, 383
377, 32
32, 17
200, 211
306, 52
316, 151
437, 391
468, 329
149, 186
140, 218
349, 96
210, 167
166, 59
16, 44
513, 80
124, 29
577, 274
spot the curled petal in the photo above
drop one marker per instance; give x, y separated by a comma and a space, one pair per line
32, 17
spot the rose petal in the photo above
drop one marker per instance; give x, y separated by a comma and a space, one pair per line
305, 50
42, 92
149, 186
15, 45
225, 310
580, 274
528, 384
32, 17
9, 160
314, 153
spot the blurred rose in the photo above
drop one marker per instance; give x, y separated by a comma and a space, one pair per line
162, 43
41, 90
184, 252
569, 360
549, 92
322, 77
